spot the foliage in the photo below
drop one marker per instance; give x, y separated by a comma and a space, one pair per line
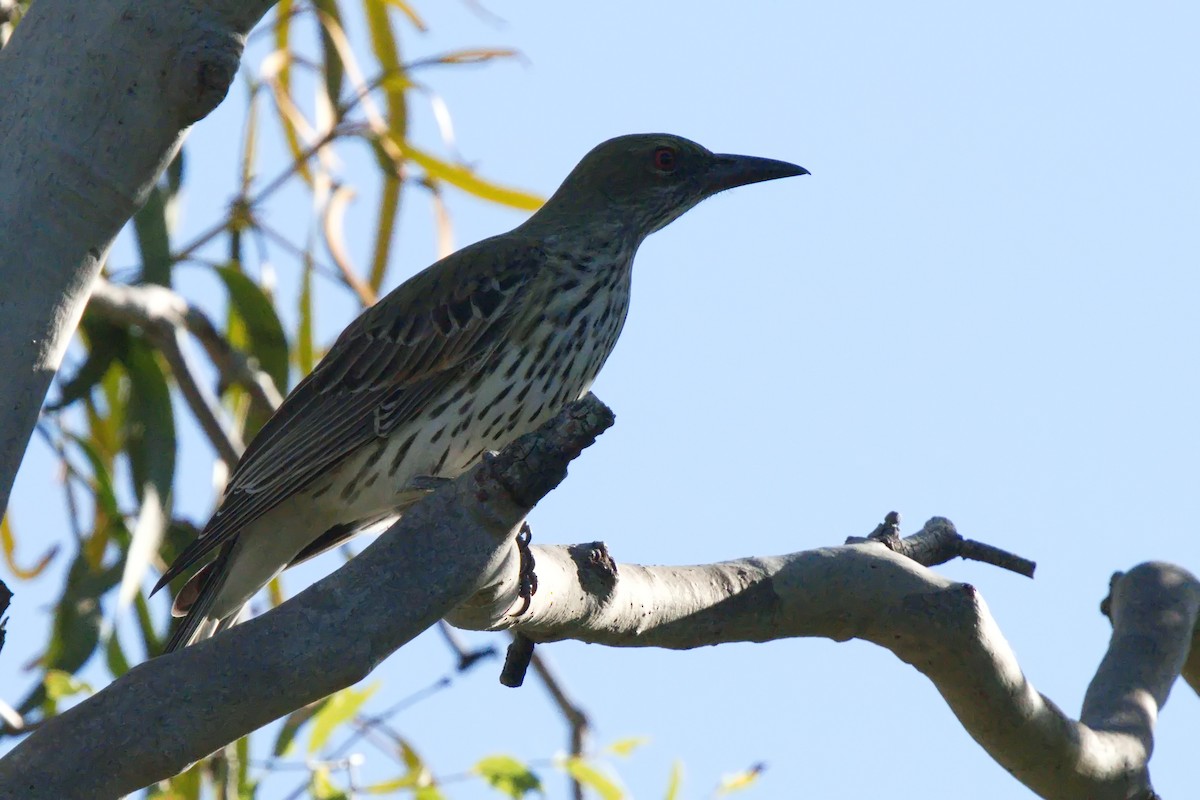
114, 419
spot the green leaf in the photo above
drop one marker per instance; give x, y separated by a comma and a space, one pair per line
174, 176
508, 775
78, 618
419, 778
150, 639
392, 786
623, 747
411, 758
149, 424
292, 725
268, 343
591, 777
61, 685
186, 784
102, 484
331, 68
323, 787
153, 239
305, 354
389, 207
114, 657
387, 52
105, 344
245, 787
337, 709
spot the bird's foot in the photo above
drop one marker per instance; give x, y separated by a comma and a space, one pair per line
528, 577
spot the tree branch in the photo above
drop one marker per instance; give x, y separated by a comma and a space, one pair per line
152, 307
97, 96
866, 591
160, 313
328, 637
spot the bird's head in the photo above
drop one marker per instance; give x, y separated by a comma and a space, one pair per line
645, 181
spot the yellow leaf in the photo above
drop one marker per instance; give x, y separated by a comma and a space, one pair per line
281, 82
8, 543
675, 781
407, 10
60, 684
740, 780
623, 747
466, 179
593, 778
387, 52
337, 709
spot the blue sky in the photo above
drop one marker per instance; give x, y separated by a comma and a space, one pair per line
980, 305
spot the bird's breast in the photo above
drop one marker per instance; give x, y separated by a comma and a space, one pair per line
551, 356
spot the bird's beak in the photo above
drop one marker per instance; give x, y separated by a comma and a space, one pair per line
726, 171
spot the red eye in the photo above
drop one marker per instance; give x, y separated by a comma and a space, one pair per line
664, 159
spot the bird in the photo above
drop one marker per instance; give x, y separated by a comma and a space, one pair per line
473, 352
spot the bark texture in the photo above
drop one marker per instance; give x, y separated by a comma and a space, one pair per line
97, 96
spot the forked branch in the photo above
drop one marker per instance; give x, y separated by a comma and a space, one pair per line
868, 590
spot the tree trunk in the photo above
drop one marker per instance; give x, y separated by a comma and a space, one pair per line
96, 99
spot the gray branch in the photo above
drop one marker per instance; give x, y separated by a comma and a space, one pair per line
164, 316
97, 96
866, 591
328, 637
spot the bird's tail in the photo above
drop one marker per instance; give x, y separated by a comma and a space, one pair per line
195, 600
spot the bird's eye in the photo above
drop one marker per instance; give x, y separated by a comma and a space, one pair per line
664, 159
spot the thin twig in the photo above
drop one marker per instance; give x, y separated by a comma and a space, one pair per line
162, 315
204, 403
232, 364
577, 720
939, 542
467, 658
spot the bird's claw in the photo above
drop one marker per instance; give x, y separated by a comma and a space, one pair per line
529, 583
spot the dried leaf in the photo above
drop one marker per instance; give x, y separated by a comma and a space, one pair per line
278, 65
472, 55
331, 226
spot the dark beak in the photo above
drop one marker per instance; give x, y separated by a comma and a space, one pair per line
727, 171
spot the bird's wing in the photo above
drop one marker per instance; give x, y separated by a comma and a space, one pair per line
384, 369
